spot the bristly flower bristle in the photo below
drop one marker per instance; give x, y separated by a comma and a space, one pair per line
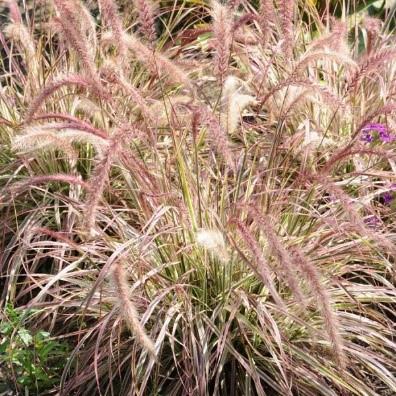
222, 31
267, 19
74, 28
286, 10
128, 309
112, 20
146, 17
77, 80
323, 300
261, 267
278, 249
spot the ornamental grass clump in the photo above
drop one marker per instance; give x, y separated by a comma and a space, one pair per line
198, 199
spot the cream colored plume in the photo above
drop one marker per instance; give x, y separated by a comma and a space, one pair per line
312, 140
19, 33
212, 241
234, 103
171, 108
51, 137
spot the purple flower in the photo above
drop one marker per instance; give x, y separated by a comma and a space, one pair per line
375, 127
372, 221
383, 132
392, 187
387, 197
386, 137
366, 137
